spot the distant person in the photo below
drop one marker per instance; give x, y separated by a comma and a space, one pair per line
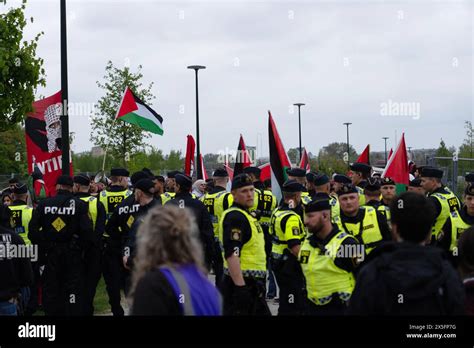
408, 277
169, 275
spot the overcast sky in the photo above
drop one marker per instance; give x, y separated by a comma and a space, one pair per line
344, 59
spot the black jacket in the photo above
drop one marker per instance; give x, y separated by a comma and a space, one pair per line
15, 272
407, 279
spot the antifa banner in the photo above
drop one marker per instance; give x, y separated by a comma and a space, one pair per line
43, 140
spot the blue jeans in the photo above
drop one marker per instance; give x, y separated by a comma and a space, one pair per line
272, 291
7, 308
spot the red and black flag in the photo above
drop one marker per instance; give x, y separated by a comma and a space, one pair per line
242, 159
189, 160
304, 163
279, 161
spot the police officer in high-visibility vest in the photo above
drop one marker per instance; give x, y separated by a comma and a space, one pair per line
170, 186
339, 180
445, 201
366, 224
288, 232
243, 286
388, 191
20, 218
92, 252
458, 222
299, 175
211, 201
415, 186
61, 227
360, 173
372, 197
322, 189
328, 258
310, 184
112, 266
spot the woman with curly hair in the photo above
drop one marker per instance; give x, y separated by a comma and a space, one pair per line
169, 276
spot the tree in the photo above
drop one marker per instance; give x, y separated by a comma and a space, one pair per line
294, 155
331, 158
122, 139
20, 70
466, 150
174, 161
443, 151
13, 151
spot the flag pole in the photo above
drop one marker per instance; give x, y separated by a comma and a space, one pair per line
64, 93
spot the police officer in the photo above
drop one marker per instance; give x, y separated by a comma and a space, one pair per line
445, 201
144, 196
254, 174
20, 219
112, 266
366, 224
310, 184
372, 197
92, 252
415, 186
299, 175
360, 174
244, 253
328, 258
287, 230
322, 189
15, 272
469, 178
211, 201
61, 227
184, 199
159, 182
388, 191
170, 186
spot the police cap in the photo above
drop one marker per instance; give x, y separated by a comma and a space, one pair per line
292, 186
347, 189
220, 173
373, 185
64, 180
20, 189
431, 172
137, 176
82, 179
145, 185
183, 180
296, 172
318, 205
342, 179
387, 181
361, 167
119, 172
240, 181
252, 170
321, 179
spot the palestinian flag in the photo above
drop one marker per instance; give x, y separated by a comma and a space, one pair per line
304, 163
279, 161
364, 156
266, 172
397, 166
242, 159
134, 111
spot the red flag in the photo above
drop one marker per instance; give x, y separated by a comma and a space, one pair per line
229, 170
204, 172
265, 173
364, 156
43, 140
189, 160
279, 161
390, 154
304, 163
397, 166
242, 159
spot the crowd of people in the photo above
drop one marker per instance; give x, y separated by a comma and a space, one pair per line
332, 245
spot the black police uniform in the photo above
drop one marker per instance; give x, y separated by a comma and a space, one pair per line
61, 227
93, 256
203, 220
15, 272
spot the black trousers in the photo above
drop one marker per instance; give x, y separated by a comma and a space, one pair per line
62, 282
333, 308
114, 277
92, 273
290, 280
257, 304
218, 264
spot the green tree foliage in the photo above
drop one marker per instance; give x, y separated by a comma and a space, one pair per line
13, 151
20, 70
122, 139
466, 150
331, 158
443, 151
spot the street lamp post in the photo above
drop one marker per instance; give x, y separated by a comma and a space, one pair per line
196, 68
347, 124
64, 93
385, 138
299, 105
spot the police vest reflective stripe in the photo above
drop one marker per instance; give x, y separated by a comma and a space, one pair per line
111, 199
20, 219
305, 198
360, 190
367, 232
92, 201
449, 203
323, 278
458, 226
264, 202
252, 254
223, 202
167, 196
383, 209
285, 223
